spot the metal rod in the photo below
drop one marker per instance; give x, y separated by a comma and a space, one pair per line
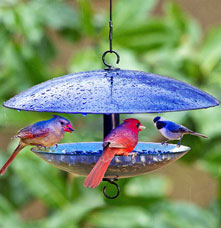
110, 42
110, 27
110, 122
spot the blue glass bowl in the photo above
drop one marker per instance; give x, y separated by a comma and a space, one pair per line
80, 158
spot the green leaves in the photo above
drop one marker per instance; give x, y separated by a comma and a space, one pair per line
56, 14
71, 214
130, 216
182, 215
154, 34
130, 15
148, 187
86, 16
160, 215
210, 53
5, 206
49, 184
26, 46
212, 160
85, 60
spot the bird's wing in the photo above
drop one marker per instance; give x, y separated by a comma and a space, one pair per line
34, 131
120, 137
176, 128
113, 145
106, 144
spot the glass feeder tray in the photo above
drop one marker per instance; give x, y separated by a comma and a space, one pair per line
80, 158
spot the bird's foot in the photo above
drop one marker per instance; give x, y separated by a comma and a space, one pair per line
178, 144
40, 147
165, 143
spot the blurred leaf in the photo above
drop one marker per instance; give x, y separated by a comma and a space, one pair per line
85, 60
160, 63
130, 13
49, 184
120, 217
28, 22
45, 49
8, 2
212, 160
154, 34
5, 206
182, 215
71, 214
211, 127
179, 117
210, 53
8, 216
57, 14
194, 33
144, 186
186, 29
175, 16
128, 60
86, 17
8, 184
12, 220
13, 120
215, 207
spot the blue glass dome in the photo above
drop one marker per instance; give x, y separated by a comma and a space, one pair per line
111, 91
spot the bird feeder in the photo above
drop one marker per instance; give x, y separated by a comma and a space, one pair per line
111, 92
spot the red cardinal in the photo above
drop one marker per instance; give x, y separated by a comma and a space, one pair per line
44, 133
120, 141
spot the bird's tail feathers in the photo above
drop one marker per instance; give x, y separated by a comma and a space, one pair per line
14, 154
198, 134
97, 173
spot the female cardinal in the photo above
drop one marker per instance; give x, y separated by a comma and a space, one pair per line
120, 141
44, 133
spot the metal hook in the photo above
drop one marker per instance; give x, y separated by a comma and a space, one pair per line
110, 41
103, 58
111, 181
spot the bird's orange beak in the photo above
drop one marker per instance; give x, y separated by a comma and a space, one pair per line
68, 128
141, 127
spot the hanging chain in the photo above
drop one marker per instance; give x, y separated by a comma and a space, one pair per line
110, 42
110, 27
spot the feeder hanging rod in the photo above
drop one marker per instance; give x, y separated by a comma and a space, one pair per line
110, 42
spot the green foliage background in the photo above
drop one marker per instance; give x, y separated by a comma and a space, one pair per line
171, 45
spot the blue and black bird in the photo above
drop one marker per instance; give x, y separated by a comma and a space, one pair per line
173, 131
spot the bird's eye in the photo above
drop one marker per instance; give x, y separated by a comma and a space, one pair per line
62, 123
138, 124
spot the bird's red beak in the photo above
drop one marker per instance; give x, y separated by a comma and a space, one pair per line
141, 127
68, 128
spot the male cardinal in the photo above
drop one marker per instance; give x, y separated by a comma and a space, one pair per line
173, 131
44, 133
120, 141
